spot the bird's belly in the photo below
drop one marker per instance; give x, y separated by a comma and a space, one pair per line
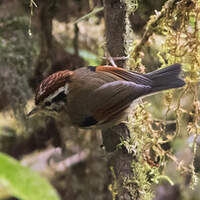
84, 118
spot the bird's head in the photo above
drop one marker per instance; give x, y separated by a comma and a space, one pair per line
51, 95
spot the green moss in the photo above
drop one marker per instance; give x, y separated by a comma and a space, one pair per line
182, 45
182, 37
131, 7
140, 141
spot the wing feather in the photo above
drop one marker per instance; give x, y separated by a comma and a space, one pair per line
112, 98
126, 75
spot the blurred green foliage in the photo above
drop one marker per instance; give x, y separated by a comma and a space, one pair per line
21, 182
91, 58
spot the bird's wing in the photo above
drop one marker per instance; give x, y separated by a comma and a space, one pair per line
111, 99
126, 75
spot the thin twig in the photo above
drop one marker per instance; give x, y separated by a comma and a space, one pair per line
75, 40
112, 61
31, 5
109, 58
70, 161
52, 160
150, 28
93, 12
33, 2
116, 58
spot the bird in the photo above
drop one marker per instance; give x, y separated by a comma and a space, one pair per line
100, 96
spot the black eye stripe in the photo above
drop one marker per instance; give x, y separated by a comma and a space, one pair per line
48, 103
60, 97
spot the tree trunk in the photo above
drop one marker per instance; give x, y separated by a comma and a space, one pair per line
120, 160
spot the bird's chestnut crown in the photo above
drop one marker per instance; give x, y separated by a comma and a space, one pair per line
53, 87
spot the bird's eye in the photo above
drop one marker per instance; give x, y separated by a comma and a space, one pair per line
60, 97
48, 103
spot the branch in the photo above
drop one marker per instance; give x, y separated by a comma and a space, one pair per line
119, 160
93, 12
154, 22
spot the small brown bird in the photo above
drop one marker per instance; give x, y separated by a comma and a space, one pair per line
100, 96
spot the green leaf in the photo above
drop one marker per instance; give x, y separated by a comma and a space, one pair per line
24, 183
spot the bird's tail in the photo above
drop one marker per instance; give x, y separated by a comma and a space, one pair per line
166, 78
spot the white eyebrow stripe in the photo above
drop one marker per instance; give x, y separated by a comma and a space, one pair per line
61, 89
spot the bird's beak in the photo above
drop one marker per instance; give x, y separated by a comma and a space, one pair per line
33, 112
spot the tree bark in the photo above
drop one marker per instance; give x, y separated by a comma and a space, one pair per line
45, 58
120, 160
114, 14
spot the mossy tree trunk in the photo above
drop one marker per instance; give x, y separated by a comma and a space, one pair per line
120, 160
